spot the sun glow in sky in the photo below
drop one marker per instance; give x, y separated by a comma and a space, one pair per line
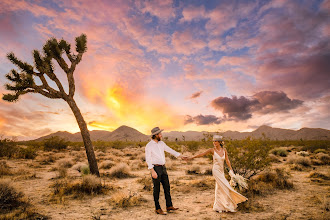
180, 65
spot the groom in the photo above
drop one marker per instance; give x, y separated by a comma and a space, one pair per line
155, 158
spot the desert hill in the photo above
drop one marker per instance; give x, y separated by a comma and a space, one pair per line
125, 133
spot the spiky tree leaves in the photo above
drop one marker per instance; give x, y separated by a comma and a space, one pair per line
24, 82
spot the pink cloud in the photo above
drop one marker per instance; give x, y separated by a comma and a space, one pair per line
162, 9
184, 42
193, 12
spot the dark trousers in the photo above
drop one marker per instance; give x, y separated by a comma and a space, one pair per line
162, 177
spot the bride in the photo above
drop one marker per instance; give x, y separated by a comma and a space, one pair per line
226, 198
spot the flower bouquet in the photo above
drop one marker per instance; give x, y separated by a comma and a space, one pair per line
238, 181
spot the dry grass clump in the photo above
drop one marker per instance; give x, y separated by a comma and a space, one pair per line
268, 181
5, 169
208, 172
320, 151
319, 177
325, 158
107, 164
117, 152
137, 165
46, 159
204, 184
82, 168
62, 172
146, 183
124, 200
278, 179
142, 157
121, 170
274, 159
193, 170
66, 163
250, 206
89, 185
279, 152
299, 163
10, 198
170, 164
13, 204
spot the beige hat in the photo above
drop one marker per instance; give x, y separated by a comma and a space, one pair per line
156, 130
217, 138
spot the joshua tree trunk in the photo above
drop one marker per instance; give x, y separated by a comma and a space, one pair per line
86, 137
24, 82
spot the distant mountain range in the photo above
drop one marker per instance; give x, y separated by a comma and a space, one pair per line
125, 133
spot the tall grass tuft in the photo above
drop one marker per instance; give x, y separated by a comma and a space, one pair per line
4, 168
121, 170
124, 200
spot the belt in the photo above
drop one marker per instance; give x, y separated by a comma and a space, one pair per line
159, 165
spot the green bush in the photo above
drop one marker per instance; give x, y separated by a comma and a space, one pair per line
10, 149
55, 143
26, 153
192, 146
248, 157
85, 170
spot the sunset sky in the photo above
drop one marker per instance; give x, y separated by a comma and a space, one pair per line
181, 65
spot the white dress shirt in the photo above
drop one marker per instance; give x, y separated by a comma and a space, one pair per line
155, 153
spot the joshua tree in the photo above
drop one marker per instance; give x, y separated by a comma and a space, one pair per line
23, 82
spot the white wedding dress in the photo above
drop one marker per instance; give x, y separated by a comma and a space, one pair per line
226, 198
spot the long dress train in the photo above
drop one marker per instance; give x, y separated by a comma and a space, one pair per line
226, 198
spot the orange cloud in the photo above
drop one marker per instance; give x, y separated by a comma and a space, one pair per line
139, 112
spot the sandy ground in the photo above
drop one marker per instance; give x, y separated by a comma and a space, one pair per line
305, 201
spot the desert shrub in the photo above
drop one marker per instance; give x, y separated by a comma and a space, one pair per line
208, 172
26, 153
107, 164
313, 145
303, 161
46, 159
325, 158
121, 170
89, 185
175, 146
192, 146
121, 144
193, 170
7, 148
279, 152
62, 172
320, 151
66, 163
10, 198
124, 200
274, 159
302, 153
55, 143
250, 206
10, 149
85, 170
142, 157
204, 184
146, 183
317, 175
82, 168
278, 179
249, 157
4, 169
